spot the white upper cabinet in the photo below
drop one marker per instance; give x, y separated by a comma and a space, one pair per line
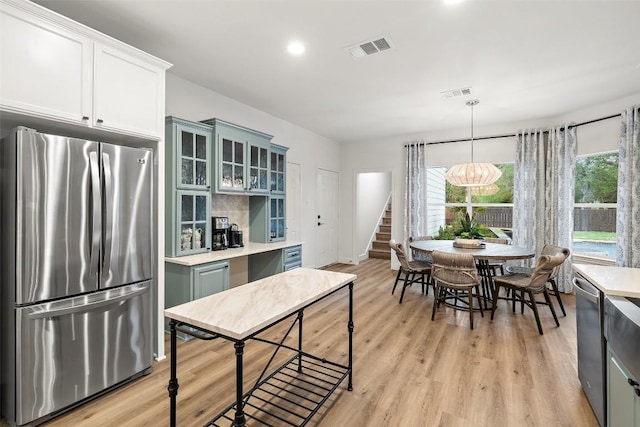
45, 69
128, 94
54, 68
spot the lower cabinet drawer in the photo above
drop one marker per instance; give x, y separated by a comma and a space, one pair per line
292, 255
292, 266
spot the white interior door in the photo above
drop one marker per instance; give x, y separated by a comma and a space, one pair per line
293, 201
327, 217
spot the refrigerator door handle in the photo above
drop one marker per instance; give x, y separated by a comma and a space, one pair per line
44, 310
96, 212
108, 208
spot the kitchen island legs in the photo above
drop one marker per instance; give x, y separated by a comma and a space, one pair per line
291, 394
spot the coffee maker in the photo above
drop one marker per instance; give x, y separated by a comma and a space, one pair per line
220, 227
235, 237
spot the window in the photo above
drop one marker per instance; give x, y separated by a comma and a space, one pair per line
594, 224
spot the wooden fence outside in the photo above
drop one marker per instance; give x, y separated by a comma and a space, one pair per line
585, 219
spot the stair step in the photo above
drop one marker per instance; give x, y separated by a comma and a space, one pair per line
383, 236
377, 253
380, 244
385, 228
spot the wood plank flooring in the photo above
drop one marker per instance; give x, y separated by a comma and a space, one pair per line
408, 370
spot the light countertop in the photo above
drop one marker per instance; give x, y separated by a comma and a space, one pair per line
613, 281
239, 312
248, 249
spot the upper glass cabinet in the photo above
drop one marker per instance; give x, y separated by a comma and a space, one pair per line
193, 155
277, 170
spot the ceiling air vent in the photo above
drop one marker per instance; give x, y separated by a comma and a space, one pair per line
368, 47
456, 92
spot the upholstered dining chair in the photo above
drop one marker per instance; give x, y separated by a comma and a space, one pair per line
531, 284
414, 271
548, 249
455, 272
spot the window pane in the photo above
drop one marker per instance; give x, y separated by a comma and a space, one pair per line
227, 150
238, 155
187, 171
187, 144
201, 147
187, 208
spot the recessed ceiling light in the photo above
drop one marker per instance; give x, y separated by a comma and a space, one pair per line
296, 48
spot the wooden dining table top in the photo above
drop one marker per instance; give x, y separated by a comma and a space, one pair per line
489, 251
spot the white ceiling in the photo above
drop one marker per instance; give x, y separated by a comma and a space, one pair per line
525, 60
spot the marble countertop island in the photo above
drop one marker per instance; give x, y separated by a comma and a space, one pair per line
613, 281
240, 312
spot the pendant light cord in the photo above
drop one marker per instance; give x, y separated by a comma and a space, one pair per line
472, 103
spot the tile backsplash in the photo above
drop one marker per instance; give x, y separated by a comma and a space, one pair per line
234, 207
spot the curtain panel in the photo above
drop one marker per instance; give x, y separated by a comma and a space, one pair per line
628, 215
559, 189
415, 211
528, 189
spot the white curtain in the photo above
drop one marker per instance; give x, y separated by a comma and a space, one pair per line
415, 211
628, 216
560, 195
528, 190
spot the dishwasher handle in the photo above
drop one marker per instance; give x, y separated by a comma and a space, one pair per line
586, 290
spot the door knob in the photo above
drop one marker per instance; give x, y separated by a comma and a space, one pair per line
320, 223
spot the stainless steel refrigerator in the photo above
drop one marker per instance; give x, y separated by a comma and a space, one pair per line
76, 236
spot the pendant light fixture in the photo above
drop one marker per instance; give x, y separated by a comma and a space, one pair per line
472, 174
485, 190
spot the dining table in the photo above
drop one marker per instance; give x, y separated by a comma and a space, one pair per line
483, 254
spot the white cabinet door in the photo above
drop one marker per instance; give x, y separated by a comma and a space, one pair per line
45, 70
128, 93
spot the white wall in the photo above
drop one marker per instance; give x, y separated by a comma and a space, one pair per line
372, 194
192, 102
388, 154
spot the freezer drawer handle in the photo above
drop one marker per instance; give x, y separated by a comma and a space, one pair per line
87, 307
96, 212
583, 287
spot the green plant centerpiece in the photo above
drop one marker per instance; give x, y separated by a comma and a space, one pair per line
464, 227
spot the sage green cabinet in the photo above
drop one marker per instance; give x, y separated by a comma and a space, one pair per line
277, 169
188, 187
241, 159
267, 219
623, 394
267, 264
188, 283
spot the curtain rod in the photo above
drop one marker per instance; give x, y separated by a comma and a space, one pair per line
508, 135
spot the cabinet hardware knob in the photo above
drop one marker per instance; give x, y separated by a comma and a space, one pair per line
637, 390
632, 382
320, 223
99, 121
85, 118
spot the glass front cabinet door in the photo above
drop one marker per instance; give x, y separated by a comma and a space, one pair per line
194, 227
241, 160
193, 158
277, 178
276, 218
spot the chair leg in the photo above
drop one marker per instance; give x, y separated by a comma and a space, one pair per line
397, 279
407, 283
553, 310
436, 293
494, 303
471, 307
554, 286
479, 301
534, 307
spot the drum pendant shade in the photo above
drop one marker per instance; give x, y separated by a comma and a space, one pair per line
472, 174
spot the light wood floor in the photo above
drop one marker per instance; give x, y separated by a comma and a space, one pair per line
408, 370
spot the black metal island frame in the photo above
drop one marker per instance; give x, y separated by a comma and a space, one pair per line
291, 393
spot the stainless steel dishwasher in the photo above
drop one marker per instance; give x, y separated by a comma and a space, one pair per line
591, 345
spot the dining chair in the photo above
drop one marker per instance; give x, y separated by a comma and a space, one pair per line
548, 249
414, 271
455, 272
418, 255
531, 284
